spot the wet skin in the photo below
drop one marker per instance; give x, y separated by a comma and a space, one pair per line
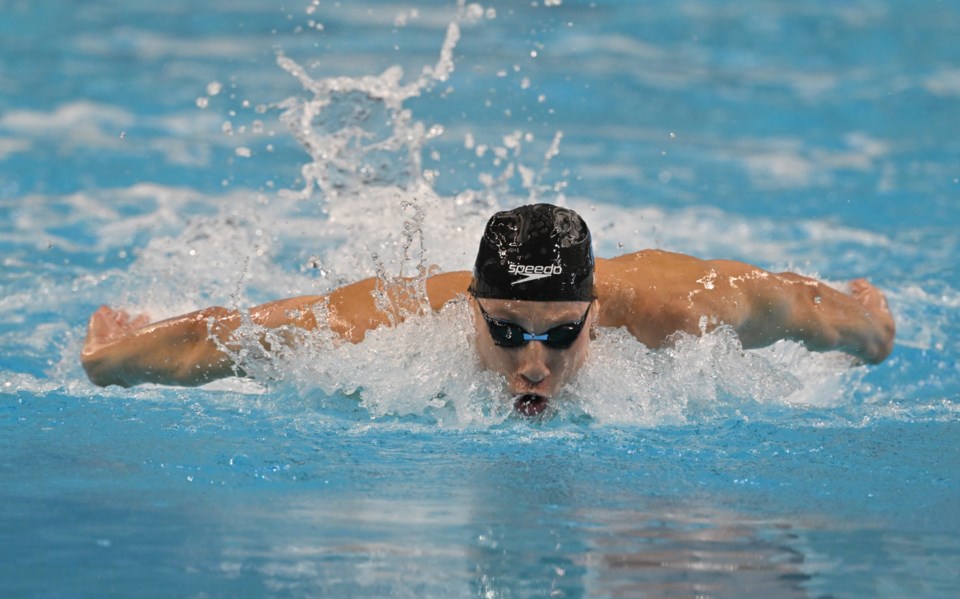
534, 372
653, 294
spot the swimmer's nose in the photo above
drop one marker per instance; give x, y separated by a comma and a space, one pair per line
533, 366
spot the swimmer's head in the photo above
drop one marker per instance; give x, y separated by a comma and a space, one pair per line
532, 300
539, 253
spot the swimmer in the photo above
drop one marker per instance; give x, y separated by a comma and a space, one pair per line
536, 295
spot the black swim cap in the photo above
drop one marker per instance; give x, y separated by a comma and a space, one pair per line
539, 253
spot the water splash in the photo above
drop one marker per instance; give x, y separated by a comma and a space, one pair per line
425, 367
357, 130
368, 208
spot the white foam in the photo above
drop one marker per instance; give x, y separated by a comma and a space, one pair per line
915, 327
10, 146
699, 377
793, 163
95, 126
75, 124
367, 208
425, 366
148, 45
944, 82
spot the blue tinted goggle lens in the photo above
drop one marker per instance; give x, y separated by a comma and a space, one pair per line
510, 334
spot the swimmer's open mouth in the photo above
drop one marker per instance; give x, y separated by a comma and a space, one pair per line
530, 405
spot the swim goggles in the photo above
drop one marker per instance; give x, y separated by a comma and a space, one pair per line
510, 334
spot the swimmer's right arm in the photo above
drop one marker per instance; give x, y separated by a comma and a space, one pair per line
188, 350
125, 351
184, 350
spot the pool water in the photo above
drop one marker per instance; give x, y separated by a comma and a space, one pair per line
163, 157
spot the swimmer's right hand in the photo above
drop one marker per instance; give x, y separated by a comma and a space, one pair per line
107, 325
126, 350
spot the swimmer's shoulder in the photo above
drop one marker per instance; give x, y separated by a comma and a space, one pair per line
642, 282
447, 286
646, 266
649, 293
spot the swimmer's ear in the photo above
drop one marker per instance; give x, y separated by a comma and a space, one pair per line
474, 307
594, 319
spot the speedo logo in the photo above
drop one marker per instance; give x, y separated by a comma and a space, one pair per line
532, 273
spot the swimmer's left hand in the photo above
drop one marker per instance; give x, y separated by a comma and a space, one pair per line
875, 303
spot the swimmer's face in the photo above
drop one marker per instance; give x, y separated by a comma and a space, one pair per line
533, 368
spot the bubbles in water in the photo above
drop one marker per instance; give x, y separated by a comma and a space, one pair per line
368, 208
424, 367
700, 378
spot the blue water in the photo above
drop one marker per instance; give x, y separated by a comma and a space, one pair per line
150, 158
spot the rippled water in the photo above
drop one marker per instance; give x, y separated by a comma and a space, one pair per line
164, 158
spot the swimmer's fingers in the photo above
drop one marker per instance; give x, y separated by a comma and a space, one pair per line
869, 296
140, 321
108, 324
875, 303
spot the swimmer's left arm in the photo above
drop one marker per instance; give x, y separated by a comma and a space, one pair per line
786, 305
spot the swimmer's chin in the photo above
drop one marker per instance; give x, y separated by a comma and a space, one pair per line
530, 404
